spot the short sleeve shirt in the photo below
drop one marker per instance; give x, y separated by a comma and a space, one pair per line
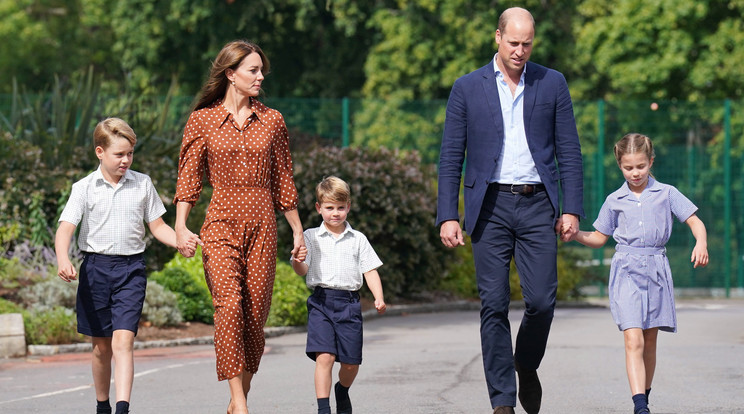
338, 263
112, 217
645, 221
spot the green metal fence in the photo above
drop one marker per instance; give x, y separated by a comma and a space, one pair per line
698, 150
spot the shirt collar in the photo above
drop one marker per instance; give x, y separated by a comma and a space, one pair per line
324, 230
259, 109
498, 72
651, 186
98, 177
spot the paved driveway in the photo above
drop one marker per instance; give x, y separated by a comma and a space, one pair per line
422, 363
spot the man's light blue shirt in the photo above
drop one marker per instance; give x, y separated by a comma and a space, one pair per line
515, 164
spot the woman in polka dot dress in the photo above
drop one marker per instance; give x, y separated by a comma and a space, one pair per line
243, 147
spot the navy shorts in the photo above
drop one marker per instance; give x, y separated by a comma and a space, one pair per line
334, 325
110, 294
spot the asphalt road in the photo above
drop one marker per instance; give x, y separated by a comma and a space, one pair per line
422, 363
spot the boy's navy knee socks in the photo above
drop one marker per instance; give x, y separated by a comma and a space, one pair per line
122, 407
103, 407
324, 406
640, 402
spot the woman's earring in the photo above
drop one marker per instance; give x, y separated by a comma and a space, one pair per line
233, 83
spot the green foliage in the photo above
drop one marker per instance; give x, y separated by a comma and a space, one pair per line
161, 306
401, 124
461, 278
424, 45
26, 264
47, 141
51, 326
12, 274
49, 294
55, 40
695, 49
393, 203
288, 303
7, 306
185, 278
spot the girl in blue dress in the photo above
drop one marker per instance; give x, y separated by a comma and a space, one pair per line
639, 217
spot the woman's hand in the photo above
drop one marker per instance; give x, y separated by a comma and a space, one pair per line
186, 242
299, 245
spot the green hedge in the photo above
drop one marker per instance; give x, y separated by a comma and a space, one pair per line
288, 304
185, 278
393, 202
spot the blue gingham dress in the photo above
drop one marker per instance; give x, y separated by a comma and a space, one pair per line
641, 290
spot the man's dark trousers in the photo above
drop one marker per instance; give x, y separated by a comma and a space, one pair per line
521, 226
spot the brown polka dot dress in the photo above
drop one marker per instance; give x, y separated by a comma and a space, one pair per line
250, 169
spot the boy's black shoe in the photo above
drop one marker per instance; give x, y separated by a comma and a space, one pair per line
343, 402
530, 390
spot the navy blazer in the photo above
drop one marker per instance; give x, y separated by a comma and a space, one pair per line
474, 126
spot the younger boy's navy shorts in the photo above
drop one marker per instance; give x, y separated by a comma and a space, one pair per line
111, 293
334, 325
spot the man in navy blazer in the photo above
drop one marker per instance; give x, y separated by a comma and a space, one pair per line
513, 120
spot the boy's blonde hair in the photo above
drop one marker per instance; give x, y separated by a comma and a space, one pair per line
111, 128
634, 143
333, 189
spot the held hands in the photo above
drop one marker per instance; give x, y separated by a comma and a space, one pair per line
186, 242
699, 255
299, 245
301, 255
567, 227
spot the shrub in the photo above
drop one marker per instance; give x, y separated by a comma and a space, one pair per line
51, 326
185, 278
288, 304
26, 264
461, 278
49, 294
393, 204
7, 306
161, 306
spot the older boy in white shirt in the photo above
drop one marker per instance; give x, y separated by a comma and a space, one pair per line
111, 205
336, 259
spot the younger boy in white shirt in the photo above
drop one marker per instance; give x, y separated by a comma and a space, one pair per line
337, 257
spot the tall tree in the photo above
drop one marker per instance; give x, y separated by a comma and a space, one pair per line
661, 49
426, 44
44, 38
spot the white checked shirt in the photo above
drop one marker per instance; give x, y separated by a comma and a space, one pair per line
338, 263
112, 217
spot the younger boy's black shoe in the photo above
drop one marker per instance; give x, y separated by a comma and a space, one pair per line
343, 402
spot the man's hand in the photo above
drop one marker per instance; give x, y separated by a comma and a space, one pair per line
451, 234
567, 226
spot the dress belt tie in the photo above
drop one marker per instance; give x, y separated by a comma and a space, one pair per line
643, 251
